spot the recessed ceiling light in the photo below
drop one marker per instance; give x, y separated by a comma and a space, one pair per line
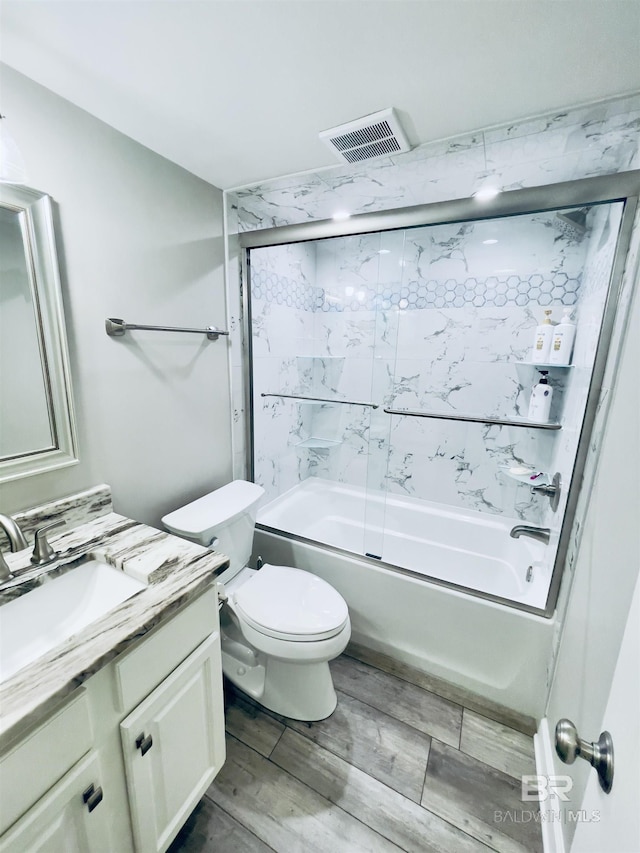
384, 251
341, 215
489, 242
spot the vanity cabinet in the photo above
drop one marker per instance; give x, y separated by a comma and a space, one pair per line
122, 763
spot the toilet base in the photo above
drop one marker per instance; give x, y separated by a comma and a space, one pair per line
298, 691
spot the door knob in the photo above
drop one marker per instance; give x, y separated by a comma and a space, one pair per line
570, 746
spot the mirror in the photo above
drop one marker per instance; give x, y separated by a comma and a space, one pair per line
37, 423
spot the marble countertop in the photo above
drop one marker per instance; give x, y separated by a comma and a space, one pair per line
175, 571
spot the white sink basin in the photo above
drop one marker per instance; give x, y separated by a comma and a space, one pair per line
38, 621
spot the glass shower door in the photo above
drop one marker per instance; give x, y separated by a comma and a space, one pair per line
316, 401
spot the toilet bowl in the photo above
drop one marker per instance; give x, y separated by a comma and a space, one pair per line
280, 626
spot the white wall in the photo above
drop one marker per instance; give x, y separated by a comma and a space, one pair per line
141, 239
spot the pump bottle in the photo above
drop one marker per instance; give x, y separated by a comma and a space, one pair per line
542, 340
540, 402
562, 341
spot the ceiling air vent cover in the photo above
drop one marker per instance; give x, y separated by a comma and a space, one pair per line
372, 136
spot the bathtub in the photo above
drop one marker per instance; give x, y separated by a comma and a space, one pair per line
465, 548
413, 603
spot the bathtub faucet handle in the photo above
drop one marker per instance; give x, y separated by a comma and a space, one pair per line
550, 490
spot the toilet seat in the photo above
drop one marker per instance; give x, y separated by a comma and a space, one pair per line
290, 604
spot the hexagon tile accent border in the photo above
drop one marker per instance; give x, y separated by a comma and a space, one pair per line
554, 289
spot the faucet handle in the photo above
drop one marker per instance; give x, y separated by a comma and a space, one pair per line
5, 571
43, 553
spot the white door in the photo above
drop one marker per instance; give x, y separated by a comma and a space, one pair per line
612, 821
597, 643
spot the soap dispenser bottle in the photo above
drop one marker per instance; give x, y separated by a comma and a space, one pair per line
540, 402
542, 340
562, 341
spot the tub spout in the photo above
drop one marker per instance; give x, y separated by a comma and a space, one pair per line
542, 534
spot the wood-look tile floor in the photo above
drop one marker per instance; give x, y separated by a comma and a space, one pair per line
395, 767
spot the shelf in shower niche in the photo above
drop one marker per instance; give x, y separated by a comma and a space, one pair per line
318, 443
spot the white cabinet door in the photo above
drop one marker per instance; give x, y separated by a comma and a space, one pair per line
61, 821
173, 745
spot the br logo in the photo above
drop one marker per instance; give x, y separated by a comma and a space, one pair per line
540, 788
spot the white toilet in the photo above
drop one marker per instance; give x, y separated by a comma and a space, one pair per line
281, 626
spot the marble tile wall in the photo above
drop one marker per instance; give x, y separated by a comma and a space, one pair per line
281, 312
604, 224
350, 332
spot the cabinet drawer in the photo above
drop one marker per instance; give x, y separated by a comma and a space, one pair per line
29, 769
139, 671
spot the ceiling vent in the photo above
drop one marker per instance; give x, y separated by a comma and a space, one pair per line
377, 135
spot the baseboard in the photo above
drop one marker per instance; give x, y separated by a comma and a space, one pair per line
550, 810
455, 693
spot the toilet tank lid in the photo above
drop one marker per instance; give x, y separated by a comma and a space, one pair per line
214, 509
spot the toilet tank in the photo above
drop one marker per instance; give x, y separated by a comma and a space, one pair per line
228, 515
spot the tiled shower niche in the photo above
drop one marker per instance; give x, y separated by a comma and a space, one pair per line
438, 319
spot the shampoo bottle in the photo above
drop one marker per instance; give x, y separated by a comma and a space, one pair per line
540, 402
542, 340
563, 337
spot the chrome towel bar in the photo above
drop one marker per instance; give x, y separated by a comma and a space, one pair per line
323, 400
475, 419
116, 328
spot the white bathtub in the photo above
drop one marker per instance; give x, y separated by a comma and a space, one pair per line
463, 547
496, 651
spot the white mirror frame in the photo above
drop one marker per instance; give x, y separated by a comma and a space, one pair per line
40, 250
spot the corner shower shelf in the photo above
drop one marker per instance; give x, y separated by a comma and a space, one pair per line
541, 480
543, 365
476, 419
318, 443
321, 357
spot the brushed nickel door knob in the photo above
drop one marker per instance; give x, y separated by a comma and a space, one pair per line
570, 746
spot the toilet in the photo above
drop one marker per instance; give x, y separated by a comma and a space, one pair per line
280, 626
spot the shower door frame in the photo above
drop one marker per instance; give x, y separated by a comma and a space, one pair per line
605, 189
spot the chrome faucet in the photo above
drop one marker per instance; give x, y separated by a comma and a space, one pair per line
15, 536
542, 534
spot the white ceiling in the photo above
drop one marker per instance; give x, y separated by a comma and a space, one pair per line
236, 91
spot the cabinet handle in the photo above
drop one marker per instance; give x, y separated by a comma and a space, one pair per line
92, 796
143, 743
